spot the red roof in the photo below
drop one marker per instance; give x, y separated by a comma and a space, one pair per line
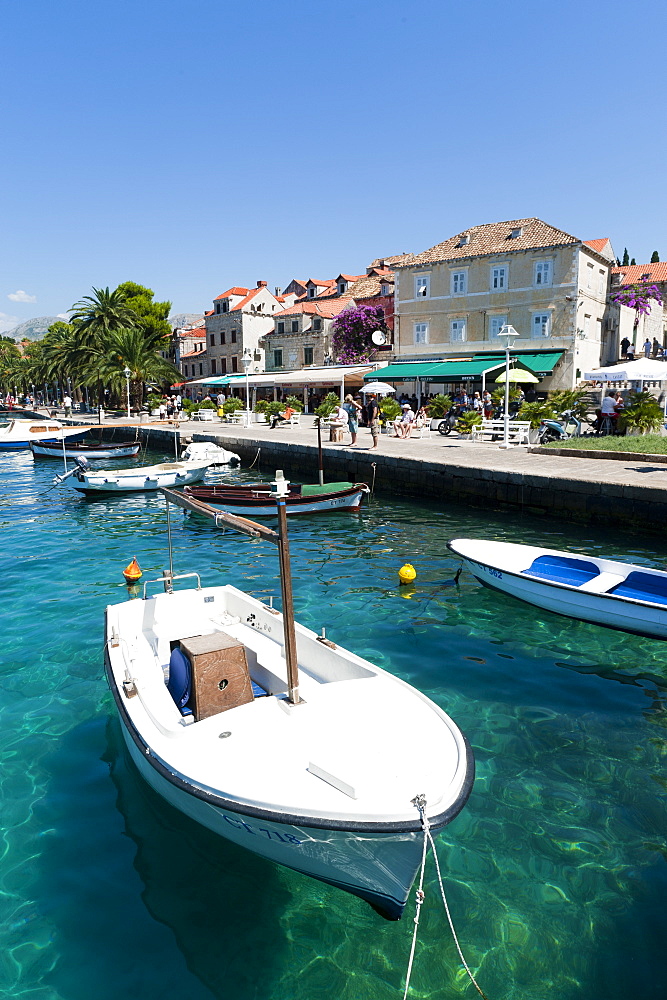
316, 307
193, 354
198, 331
632, 273
236, 290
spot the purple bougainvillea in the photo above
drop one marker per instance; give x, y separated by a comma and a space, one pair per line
351, 333
638, 297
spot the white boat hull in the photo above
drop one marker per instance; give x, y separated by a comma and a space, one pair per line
501, 565
133, 480
18, 434
324, 787
55, 450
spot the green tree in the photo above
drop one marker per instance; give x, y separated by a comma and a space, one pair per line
151, 317
626, 258
655, 257
130, 349
633, 262
98, 315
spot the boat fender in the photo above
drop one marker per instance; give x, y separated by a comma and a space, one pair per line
132, 571
180, 677
407, 573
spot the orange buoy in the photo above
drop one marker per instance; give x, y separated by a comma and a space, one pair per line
132, 572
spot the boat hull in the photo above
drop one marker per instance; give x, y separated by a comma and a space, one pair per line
93, 483
249, 505
342, 858
609, 610
46, 449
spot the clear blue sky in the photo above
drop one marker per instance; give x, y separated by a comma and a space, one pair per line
195, 145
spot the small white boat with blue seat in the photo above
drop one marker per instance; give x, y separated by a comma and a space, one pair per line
602, 591
18, 434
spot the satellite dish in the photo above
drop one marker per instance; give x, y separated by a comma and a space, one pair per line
378, 338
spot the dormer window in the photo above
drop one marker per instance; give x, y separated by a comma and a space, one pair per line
225, 305
311, 293
342, 287
516, 233
464, 241
384, 290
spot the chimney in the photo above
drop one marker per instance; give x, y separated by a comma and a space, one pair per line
279, 291
261, 284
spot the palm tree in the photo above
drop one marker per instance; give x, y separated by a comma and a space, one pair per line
98, 315
130, 349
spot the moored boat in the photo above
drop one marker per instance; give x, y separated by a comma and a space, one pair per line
257, 500
280, 740
89, 449
209, 451
602, 591
17, 435
147, 477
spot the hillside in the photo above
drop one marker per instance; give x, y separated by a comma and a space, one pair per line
32, 329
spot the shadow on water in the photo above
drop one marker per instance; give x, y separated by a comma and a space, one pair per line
215, 907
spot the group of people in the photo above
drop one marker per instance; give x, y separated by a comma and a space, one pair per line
651, 349
607, 416
170, 406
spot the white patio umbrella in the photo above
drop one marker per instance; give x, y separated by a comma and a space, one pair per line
518, 375
381, 388
642, 370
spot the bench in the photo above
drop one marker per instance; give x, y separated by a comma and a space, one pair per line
494, 430
207, 414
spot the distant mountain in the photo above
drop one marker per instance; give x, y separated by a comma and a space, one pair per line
185, 319
32, 329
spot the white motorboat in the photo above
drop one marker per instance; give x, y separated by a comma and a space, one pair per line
86, 448
615, 594
208, 451
314, 766
17, 434
147, 477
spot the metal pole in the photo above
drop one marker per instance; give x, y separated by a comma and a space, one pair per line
288, 604
506, 435
319, 450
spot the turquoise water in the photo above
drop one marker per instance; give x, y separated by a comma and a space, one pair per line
555, 872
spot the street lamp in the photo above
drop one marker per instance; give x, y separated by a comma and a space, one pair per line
246, 361
509, 335
127, 373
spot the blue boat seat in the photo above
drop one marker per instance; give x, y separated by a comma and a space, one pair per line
562, 569
642, 587
180, 679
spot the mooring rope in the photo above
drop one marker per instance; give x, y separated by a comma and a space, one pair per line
255, 458
420, 802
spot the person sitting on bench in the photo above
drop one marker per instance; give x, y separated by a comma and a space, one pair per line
283, 417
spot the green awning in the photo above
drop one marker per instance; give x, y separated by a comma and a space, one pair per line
436, 371
542, 363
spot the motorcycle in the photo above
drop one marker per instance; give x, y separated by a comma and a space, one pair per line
445, 426
552, 429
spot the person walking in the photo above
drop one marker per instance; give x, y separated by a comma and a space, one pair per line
647, 348
625, 343
353, 409
67, 403
373, 418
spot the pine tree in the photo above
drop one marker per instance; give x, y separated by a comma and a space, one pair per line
655, 257
633, 261
626, 258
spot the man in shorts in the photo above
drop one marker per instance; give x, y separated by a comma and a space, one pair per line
373, 417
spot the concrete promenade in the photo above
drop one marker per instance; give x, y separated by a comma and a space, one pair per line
627, 492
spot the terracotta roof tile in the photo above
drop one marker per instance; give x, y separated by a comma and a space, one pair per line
494, 238
369, 285
193, 354
397, 258
236, 290
632, 273
316, 307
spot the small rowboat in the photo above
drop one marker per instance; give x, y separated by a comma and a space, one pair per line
615, 594
258, 501
147, 477
89, 449
279, 740
18, 434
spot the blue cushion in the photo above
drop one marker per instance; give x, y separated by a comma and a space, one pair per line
180, 677
642, 587
563, 569
257, 691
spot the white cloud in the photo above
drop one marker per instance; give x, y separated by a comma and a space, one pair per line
8, 322
20, 296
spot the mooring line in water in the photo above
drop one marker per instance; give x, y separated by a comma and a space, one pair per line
420, 802
255, 458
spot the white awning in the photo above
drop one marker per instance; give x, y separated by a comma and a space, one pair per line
326, 376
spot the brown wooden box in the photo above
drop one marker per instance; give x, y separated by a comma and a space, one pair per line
220, 677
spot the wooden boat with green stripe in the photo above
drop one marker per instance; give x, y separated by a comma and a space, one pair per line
257, 499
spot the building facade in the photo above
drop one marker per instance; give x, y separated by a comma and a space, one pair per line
237, 323
453, 299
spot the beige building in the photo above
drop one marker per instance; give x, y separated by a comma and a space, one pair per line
453, 300
239, 319
301, 334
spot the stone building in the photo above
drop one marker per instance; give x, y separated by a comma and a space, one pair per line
453, 299
301, 333
653, 325
239, 319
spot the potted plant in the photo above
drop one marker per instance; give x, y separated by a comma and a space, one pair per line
389, 410
642, 414
467, 421
327, 406
295, 403
438, 408
231, 405
259, 409
153, 403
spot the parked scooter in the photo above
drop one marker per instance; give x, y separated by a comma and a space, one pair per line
445, 426
552, 429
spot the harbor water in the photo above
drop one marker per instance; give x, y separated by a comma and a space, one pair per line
555, 872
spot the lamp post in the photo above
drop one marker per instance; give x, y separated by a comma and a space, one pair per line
509, 335
127, 373
246, 361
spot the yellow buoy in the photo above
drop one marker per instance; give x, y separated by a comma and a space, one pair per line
132, 571
407, 573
